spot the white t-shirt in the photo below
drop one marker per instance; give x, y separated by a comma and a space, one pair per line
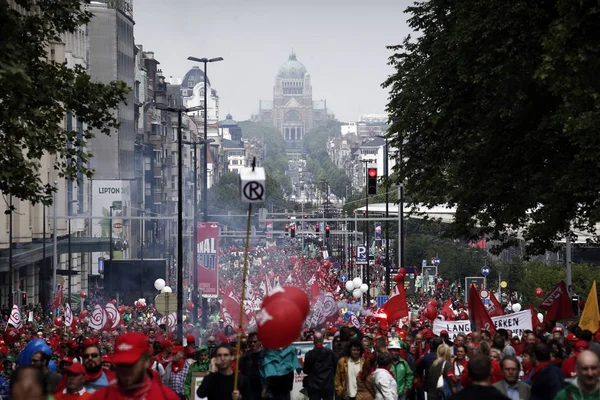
353, 371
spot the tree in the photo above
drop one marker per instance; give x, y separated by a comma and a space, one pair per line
494, 108
37, 94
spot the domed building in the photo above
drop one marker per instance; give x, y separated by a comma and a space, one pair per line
192, 93
293, 109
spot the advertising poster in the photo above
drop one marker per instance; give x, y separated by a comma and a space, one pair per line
107, 194
208, 258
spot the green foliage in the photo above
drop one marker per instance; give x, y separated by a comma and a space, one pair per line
495, 108
527, 276
318, 161
37, 94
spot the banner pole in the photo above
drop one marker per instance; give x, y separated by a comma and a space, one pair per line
241, 322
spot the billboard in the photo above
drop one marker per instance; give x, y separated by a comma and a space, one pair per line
478, 281
208, 258
378, 231
107, 193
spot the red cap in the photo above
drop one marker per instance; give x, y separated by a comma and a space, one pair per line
428, 333
67, 360
190, 339
557, 329
571, 338
597, 336
444, 332
177, 349
165, 344
189, 351
89, 342
76, 368
129, 348
580, 346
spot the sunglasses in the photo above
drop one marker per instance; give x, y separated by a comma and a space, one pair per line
93, 355
253, 341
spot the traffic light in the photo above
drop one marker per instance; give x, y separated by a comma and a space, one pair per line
293, 231
24, 299
287, 227
317, 228
372, 181
327, 228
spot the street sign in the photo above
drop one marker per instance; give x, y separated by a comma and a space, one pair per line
435, 261
424, 263
344, 278
478, 281
252, 184
166, 303
484, 294
361, 255
485, 270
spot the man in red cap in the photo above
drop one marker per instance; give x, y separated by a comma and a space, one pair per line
176, 371
135, 381
74, 389
164, 357
569, 366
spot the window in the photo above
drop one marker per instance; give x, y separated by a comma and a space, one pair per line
147, 164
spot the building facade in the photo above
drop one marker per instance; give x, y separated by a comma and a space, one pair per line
292, 110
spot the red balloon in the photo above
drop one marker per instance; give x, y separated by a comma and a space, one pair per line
58, 321
399, 278
279, 323
463, 316
293, 294
122, 309
433, 303
82, 294
189, 306
539, 292
430, 312
83, 314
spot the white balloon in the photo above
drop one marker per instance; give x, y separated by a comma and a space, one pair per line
541, 317
357, 293
349, 286
516, 307
167, 289
159, 284
364, 287
357, 282
142, 300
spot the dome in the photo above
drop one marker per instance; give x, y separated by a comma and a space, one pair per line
194, 75
292, 68
228, 121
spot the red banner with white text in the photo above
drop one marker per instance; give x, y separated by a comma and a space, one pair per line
208, 258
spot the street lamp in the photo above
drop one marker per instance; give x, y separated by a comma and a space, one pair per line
387, 223
195, 231
179, 112
368, 266
205, 61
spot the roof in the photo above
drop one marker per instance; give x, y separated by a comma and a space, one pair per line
230, 144
196, 75
374, 142
292, 68
228, 121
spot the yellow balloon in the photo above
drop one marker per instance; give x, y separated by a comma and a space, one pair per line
503, 284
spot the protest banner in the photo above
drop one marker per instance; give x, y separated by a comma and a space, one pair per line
516, 323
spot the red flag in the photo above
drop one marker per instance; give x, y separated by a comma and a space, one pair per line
447, 311
480, 319
495, 309
396, 307
58, 300
232, 305
535, 321
558, 303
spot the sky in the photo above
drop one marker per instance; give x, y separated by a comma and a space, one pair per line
342, 43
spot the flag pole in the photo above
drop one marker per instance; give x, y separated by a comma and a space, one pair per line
241, 321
